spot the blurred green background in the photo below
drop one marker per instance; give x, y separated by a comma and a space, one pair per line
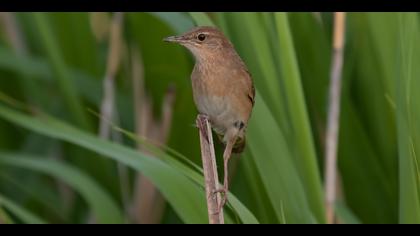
60, 72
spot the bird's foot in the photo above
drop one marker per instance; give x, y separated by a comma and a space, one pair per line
224, 192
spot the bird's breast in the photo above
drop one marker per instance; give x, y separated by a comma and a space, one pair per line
211, 105
218, 94
211, 100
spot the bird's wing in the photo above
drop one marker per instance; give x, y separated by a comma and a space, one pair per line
250, 89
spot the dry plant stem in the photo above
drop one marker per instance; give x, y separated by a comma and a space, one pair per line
99, 22
318, 17
113, 61
138, 91
148, 204
167, 113
333, 116
210, 171
143, 189
108, 111
13, 32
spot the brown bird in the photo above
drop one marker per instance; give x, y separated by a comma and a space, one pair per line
222, 86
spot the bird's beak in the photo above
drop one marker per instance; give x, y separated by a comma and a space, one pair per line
175, 39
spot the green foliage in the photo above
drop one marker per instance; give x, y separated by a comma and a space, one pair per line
408, 113
49, 137
103, 207
24, 215
184, 195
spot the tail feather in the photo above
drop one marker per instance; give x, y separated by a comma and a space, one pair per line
239, 146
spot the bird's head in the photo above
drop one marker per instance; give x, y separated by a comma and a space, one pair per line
203, 42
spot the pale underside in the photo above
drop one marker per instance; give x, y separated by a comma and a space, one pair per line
225, 94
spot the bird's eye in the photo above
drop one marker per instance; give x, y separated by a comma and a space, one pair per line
201, 37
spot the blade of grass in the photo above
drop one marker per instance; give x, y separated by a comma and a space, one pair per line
185, 196
274, 163
306, 161
192, 171
367, 150
201, 19
357, 164
21, 213
39, 69
40, 194
104, 208
4, 217
189, 169
378, 32
181, 193
263, 207
407, 117
345, 215
64, 81
18, 43
179, 22
259, 43
314, 64
75, 38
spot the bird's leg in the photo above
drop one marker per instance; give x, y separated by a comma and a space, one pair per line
226, 156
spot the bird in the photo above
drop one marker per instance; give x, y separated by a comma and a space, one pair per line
223, 89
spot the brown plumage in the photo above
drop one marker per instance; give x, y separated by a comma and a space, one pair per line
222, 86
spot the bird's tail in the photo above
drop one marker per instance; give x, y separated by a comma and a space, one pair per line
239, 146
